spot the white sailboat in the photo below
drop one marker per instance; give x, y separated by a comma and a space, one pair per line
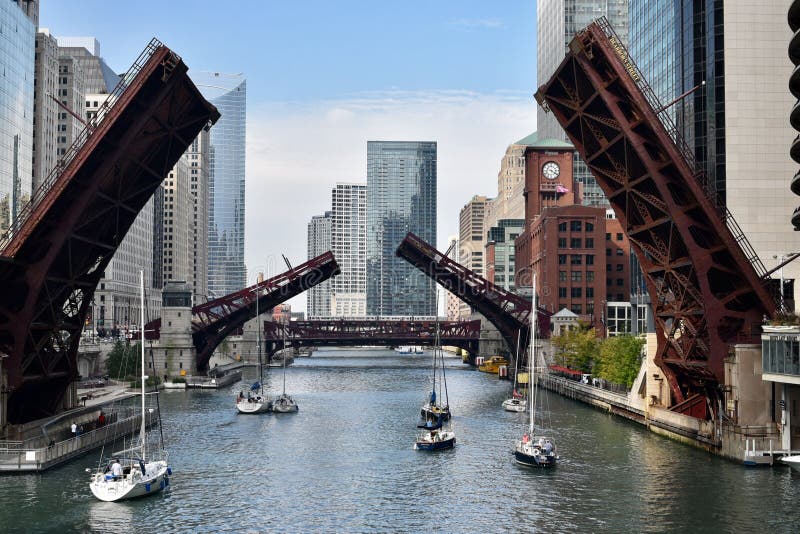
517, 402
284, 403
531, 450
254, 399
131, 476
437, 431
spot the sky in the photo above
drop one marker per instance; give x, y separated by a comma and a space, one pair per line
325, 77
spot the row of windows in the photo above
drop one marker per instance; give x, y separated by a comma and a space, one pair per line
576, 259
575, 242
576, 226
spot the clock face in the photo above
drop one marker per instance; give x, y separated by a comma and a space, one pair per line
551, 170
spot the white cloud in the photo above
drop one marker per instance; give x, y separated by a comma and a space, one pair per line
297, 152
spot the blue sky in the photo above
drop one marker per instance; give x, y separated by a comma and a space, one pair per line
321, 49
324, 77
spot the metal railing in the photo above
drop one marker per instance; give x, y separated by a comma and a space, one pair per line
91, 125
683, 148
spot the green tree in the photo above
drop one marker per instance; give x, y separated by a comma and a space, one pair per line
124, 361
576, 348
619, 359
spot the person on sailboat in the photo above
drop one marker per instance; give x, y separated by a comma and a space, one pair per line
116, 469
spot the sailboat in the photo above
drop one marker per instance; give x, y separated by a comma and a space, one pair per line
531, 450
284, 403
254, 399
139, 475
517, 401
435, 435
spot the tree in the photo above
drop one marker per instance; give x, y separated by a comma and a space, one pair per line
576, 348
619, 359
124, 361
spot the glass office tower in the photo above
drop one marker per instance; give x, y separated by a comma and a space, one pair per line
17, 44
557, 23
401, 198
226, 269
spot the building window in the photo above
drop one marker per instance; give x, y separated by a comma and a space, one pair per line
589, 292
575, 226
589, 259
619, 237
562, 242
608, 252
589, 242
608, 267
620, 282
562, 292
619, 267
577, 308
589, 227
575, 242
576, 292
620, 252
576, 276
562, 276
590, 308
575, 259
590, 276
562, 227
608, 237
562, 259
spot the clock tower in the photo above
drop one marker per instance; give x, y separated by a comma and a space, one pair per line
549, 176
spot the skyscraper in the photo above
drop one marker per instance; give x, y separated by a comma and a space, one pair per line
736, 123
16, 111
318, 298
226, 269
197, 156
348, 241
401, 198
557, 23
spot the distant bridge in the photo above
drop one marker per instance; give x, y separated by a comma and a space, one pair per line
366, 332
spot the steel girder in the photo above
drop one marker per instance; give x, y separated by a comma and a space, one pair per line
508, 312
701, 273
352, 333
216, 319
59, 246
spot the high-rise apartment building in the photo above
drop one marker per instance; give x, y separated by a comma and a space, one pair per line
197, 157
226, 269
401, 198
177, 225
472, 240
557, 23
46, 110
318, 298
737, 123
71, 94
348, 241
16, 110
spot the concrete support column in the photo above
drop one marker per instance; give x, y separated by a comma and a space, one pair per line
3, 399
786, 418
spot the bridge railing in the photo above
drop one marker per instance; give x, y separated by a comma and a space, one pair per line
41, 192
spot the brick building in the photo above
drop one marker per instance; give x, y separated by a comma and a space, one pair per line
580, 254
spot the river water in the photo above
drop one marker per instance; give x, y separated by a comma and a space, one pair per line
345, 462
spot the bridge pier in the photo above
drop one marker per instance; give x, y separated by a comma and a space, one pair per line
3, 398
174, 353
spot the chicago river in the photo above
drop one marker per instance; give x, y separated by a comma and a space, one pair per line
345, 462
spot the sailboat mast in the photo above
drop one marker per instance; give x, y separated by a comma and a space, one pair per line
141, 288
258, 340
284, 359
532, 358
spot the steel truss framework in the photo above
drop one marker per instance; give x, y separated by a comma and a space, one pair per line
349, 333
216, 319
55, 253
702, 275
508, 312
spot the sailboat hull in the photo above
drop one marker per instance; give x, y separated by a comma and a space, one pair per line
132, 485
514, 405
531, 455
435, 442
284, 404
247, 407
